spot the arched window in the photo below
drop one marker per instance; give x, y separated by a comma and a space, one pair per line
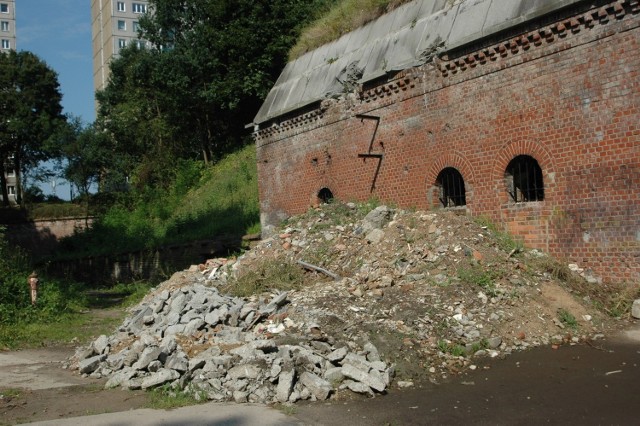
451, 186
325, 195
524, 179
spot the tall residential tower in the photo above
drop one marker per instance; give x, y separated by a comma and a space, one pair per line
114, 26
7, 43
7, 25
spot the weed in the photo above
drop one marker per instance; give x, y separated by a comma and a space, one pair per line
413, 222
482, 344
56, 210
613, 298
339, 19
451, 348
287, 409
10, 393
266, 276
166, 398
203, 202
480, 277
505, 241
567, 318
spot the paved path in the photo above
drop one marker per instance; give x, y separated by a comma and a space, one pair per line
36, 369
206, 414
581, 385
573, 384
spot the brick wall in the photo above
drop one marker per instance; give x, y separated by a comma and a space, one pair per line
566, 93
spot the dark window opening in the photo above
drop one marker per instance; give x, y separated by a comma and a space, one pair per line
451, 185
524, 179
325, 195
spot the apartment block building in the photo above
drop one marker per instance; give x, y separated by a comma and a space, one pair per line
114, 26
7, 25
8, 42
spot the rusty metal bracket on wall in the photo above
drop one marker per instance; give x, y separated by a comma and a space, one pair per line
370, 154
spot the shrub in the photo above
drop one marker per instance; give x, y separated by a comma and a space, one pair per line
201, 203
55, 298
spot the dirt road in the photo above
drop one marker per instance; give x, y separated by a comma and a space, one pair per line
582, 384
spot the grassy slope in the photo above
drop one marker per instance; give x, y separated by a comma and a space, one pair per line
204, 202
344, 16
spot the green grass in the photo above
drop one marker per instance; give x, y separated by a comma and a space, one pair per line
77, 326
11, 392
202, 203
287, 409
66, 330
567, 318
166, 398
480, 277
344, 16
451, 348
123, 295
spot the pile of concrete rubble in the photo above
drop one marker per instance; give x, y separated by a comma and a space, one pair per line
244, 359
388, 292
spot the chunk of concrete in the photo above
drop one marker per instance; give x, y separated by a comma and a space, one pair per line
120, 377
149, 354
635, 309
318, 387
100, 344
249, 371
89, 365
161, 377
371, 380
286, 381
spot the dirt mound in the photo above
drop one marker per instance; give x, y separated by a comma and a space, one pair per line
433, 291
337, 296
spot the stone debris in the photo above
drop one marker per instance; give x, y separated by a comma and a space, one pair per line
193, 335
391, 293
635, 309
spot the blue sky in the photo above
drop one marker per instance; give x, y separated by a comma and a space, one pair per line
59, 32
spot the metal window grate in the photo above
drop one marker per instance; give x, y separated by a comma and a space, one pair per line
452, 192
524, 179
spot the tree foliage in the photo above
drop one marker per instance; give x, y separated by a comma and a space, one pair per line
30, 112
85, 155
190, 94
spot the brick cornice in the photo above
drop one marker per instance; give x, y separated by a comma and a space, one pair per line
539, 37
286, 126
401, 83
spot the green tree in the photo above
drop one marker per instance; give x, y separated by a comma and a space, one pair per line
191, 94
85, 155
30, 112
133, 112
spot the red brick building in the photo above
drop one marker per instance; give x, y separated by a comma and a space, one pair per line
533, 122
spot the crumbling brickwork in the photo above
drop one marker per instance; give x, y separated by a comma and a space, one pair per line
564, 93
